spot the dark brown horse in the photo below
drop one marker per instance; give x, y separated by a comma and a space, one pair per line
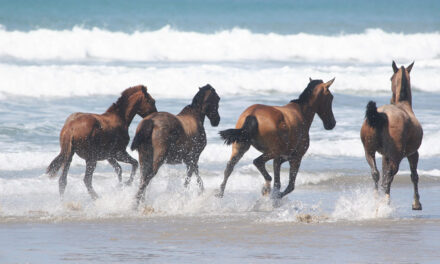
173, 139
394, 131
96, 137
281, 133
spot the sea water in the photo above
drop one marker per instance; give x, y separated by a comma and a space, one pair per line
60, 57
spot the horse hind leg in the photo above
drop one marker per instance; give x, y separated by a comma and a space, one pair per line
371, 159
389, 168
126, 158
116, 167
413, 160
238, 150
62, 181
90, 168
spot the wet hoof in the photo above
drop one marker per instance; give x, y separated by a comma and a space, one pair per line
219, 194
128, 183
417, 206
276, 194
265, 191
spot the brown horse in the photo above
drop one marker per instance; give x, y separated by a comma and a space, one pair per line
281, 133
394, 131
173, 139
96, 137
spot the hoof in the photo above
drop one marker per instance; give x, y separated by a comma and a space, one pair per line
276, 194
128, 183
417, 206
219, 195
265, 191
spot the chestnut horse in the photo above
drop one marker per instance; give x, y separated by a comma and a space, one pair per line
281, 133
173, 139
394, 131
96, 137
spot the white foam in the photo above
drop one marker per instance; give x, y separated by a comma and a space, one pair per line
167, 44
362, 204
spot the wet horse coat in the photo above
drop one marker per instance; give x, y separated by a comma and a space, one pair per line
394, 131
281, 133
96, 137
166, 138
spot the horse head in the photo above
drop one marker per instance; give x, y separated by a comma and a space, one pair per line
400, 84
146, 103
208, 101
324, 99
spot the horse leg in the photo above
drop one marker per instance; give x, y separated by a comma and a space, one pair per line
149, 168
294, 167
238, 150
123, 156
413, 160
117, 168
389, 168
371, 159
62, 181
90, 168
276, 172
260, 163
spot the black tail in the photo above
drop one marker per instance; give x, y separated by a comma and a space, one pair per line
144, 134
374, 118
55, 165
244, 134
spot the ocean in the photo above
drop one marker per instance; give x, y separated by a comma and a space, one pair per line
60, 57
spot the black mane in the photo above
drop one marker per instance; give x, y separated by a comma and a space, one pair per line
403, 87
304, 97
200, 96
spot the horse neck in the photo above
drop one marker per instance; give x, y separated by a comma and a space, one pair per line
308, 112
193, 112
125, 112
404, 93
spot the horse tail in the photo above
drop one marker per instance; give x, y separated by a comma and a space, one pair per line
143, 136
243, 134
375, 119
61, 159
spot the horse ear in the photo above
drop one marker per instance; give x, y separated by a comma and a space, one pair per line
395, 69
327, 84
310, 78
144, 90
409, 68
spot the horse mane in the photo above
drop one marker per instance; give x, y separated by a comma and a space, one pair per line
122, 101
304, 97
404, 87
200, 96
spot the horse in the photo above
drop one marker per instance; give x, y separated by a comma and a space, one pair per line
394, 131
96, 137
281, 133
174, 139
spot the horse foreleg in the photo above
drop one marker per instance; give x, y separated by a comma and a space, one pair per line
371, 159
276, 172
260, 163
294, 167
117, 168
413, 160
90, 168
238, 150
126, 158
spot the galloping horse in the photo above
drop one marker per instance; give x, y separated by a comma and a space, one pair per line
394, 131
281, 133
96, 137
173, 139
